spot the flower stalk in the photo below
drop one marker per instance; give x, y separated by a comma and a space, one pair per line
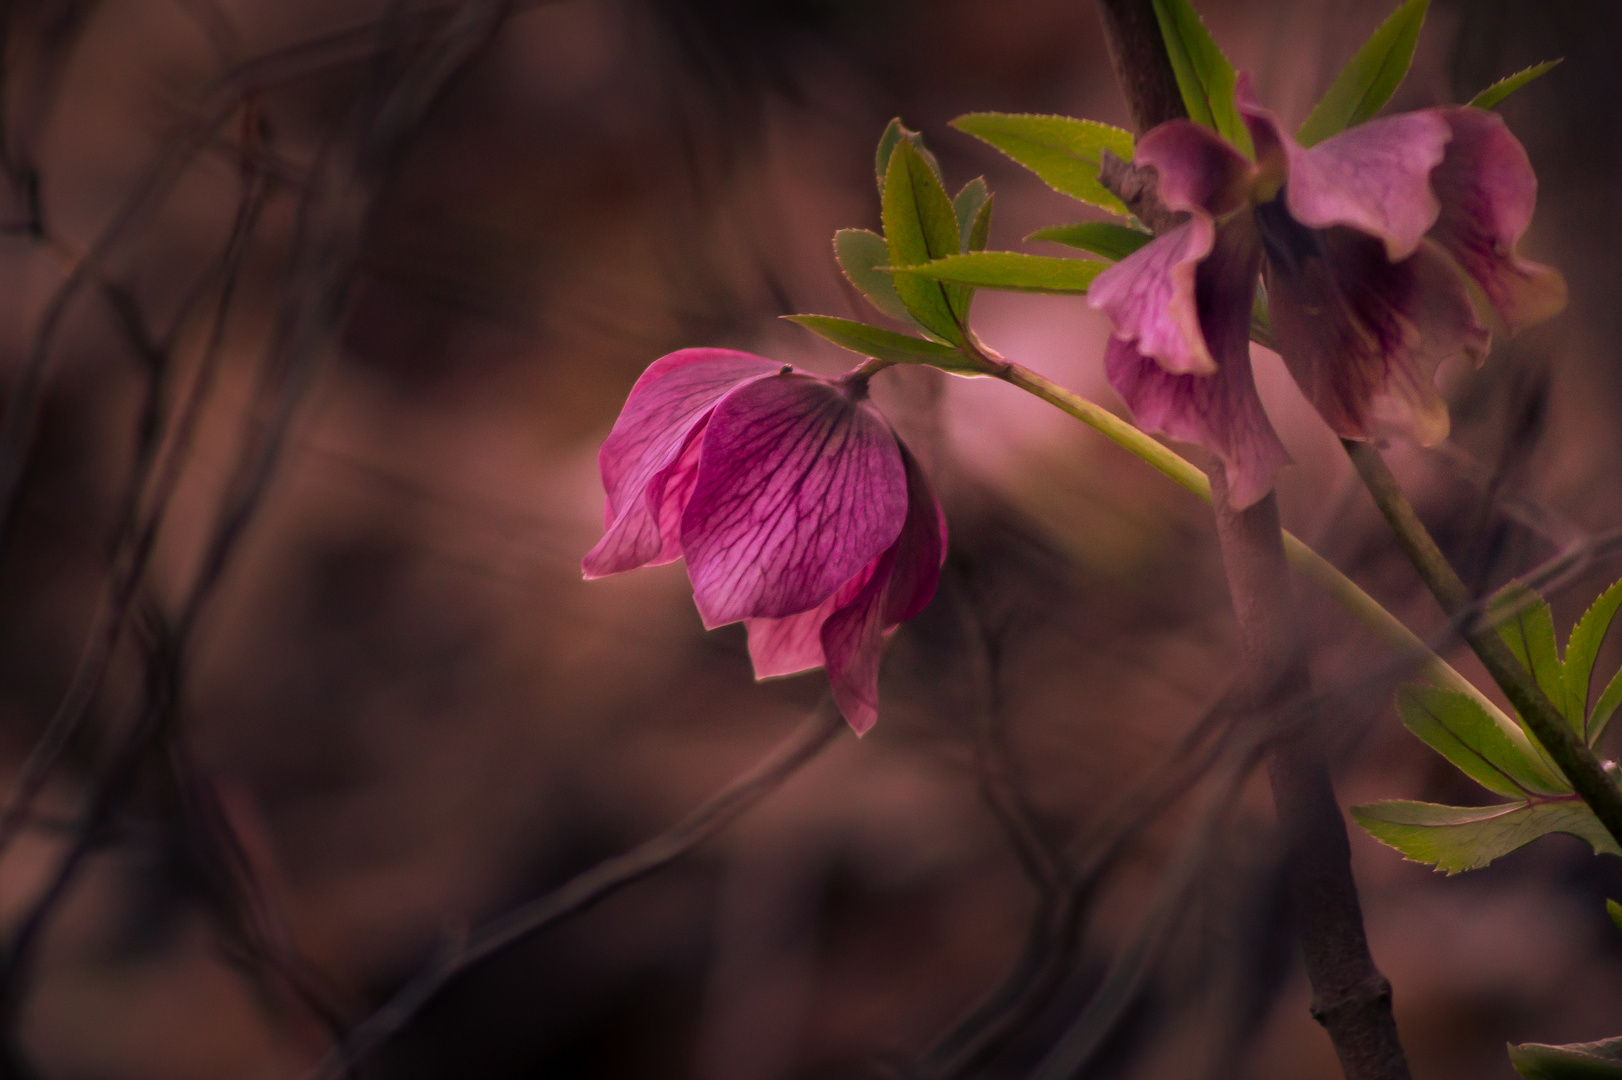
1575, 759
1350, 996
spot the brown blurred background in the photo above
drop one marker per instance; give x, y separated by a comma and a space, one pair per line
380, 704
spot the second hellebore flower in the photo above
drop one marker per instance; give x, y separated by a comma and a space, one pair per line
798, 510
1370, 243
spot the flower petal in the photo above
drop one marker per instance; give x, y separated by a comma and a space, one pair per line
643, 457
1149, 297
1198, 170
798, 488
1221, 411
1374, 177
1362, 335
794, 643
902, 583
1487, 191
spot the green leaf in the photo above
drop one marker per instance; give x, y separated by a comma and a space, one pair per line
893, 134
1011, 271
1204, 75
1605, 708
1614, 910
1114, 242
860, 253
980, 231
1575, 1061
919, 226
1454, 725
1455, 838
1583, 647
883, 344
1370, 78
966, 205
1506, 86
1064, 152
1527, 627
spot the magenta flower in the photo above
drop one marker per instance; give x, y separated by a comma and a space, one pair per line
798, 510
1370, 242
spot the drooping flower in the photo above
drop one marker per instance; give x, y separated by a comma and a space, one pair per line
1370, 244
798, 510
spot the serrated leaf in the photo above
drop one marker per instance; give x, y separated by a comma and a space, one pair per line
883, 344
1498, 758
1574, 1061
1113, 242
1614, 910
1012, 271
966, 205
1583, 647
1205, 78
1506, 86
860, 253
1457, 838
920, 226
1605, 708
893, 134
1525, 623
1370, 78
980, 231
1065, 153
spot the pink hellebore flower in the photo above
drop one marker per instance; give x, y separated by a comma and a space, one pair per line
1369, 242
798, 510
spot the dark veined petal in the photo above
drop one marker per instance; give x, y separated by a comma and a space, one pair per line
1374, 177
1221, 411
798, 488
648, 461
1198, 170
1363, 335
902, 583
1149, 297
1487, 191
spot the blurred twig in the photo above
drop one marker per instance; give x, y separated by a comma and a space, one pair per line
460, 952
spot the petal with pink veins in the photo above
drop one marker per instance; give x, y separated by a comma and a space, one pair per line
1487, 191
798, 488
648, 460
902, 583
1221, 411
1149, 297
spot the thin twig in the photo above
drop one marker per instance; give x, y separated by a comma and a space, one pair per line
587, 889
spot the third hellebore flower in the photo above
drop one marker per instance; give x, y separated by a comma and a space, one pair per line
1369, 242
798, 510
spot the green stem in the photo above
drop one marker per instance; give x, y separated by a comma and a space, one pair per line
1548, 726
1185, 473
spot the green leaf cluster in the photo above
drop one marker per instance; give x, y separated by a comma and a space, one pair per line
1498, 753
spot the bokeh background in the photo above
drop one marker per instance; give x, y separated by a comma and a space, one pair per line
387, 707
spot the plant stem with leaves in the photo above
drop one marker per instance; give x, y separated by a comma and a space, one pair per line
1574, 758
1350, 996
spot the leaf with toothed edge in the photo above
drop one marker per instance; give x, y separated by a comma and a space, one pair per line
1065, 153
1600, 1060
1369, 78
1011, 271
882, 344
1498, 91
1499, 758
919, 226
1205, 78
1113, 242
1458, 838
1581, 651
860, 253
